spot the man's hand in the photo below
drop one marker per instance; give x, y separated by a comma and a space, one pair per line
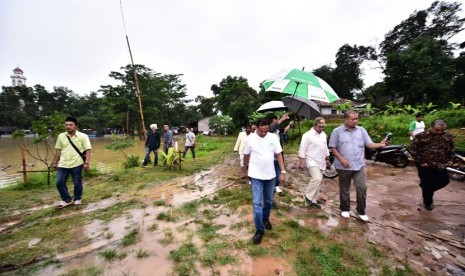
282, 178
85, 166
344, 163
328, 164
245, 173
55, 166
301, 167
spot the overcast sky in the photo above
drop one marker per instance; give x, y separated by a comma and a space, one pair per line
77, 43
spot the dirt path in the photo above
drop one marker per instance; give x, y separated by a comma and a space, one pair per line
432, 242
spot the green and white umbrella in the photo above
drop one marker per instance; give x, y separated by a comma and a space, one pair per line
302, 84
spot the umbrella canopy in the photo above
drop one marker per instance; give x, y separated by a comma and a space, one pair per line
272, 106
302, 107
302, 84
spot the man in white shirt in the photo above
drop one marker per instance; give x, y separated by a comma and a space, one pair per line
260, 150
314, 152
239, 146
190, 143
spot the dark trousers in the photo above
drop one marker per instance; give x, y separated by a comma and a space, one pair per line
185, 151
360, 183
431, 180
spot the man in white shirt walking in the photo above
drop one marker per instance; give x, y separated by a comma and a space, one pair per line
260, 150
314, 152
239, 146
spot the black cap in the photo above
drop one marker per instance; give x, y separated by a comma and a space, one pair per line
71, 119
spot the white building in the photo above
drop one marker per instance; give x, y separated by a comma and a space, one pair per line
18, 79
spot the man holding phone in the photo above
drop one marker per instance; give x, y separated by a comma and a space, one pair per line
348, 144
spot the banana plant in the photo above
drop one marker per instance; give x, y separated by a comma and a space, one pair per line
169, 158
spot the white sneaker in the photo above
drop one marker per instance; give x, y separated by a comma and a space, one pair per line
77, 202
345, 214
63, 204
278, 190
364, 218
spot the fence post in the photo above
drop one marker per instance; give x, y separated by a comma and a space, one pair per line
23, 156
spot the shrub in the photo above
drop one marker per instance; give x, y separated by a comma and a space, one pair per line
131, 161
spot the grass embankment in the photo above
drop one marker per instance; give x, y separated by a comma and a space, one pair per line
60, 233
306, 249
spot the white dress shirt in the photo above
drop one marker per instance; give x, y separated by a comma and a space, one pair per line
313, 149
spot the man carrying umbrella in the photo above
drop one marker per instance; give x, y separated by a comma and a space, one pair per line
260, 150
314, 152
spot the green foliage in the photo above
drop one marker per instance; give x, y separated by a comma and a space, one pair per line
221, 124
169, 159
131, 161
235, 98
91, 172
255, 117
35, 181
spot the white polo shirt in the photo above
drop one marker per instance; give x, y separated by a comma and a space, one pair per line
262, 152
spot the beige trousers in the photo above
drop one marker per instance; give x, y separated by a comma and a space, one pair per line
316, 176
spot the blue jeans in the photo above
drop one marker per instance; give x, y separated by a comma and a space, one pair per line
262, 198
62, 177
147, 156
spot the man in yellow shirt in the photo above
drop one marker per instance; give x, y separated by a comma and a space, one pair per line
68, 161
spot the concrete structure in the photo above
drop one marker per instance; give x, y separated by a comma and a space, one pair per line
202, 125
18, 79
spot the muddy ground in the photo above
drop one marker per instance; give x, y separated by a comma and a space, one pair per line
433, 242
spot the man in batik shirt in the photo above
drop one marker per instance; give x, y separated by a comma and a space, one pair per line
433, 151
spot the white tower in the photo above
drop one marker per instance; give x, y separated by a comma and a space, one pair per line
17, 79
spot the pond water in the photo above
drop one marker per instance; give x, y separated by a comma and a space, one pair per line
11, 161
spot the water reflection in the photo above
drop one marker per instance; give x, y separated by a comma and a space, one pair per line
11, 162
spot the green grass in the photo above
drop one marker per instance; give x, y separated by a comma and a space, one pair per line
130, 238
184, 259
142, 254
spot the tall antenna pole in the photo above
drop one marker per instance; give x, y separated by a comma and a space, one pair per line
144, 131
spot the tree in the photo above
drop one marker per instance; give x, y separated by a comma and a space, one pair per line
348, 72
221, 124
234, 97
421, 73
206, 106
162, 97
440, 21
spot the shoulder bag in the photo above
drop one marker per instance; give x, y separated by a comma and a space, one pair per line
82, 154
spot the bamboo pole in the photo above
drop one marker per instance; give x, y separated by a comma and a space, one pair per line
144, 131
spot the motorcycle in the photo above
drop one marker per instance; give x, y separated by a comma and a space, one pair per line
396, 155
457, 170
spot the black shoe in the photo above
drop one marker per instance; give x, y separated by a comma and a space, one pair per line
257, 238
429, 207
267, 224
311, 204
274, 205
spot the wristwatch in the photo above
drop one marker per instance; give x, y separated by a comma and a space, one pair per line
283, 172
